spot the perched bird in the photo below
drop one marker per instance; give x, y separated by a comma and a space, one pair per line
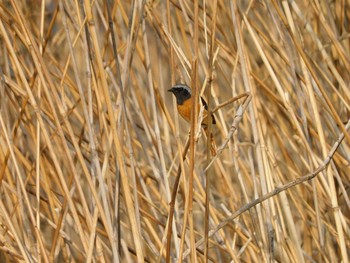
183, 96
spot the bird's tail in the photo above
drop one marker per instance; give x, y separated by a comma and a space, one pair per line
213, 147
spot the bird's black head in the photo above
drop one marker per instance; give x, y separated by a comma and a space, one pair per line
182, 92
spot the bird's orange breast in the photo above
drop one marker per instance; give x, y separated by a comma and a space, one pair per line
185, 112
185, 109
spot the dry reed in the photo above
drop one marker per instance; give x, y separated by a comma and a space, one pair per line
94, 163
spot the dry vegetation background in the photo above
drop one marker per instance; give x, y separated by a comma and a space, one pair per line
91, 144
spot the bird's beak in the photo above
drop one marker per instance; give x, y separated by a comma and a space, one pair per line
170, 90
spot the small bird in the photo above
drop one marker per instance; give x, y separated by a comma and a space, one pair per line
183, 96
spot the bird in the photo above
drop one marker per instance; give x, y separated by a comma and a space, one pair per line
183, 95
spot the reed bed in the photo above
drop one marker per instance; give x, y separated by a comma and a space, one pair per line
97, 166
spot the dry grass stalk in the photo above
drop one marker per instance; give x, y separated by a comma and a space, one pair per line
93, 160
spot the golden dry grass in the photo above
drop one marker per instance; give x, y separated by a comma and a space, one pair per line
91, 145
